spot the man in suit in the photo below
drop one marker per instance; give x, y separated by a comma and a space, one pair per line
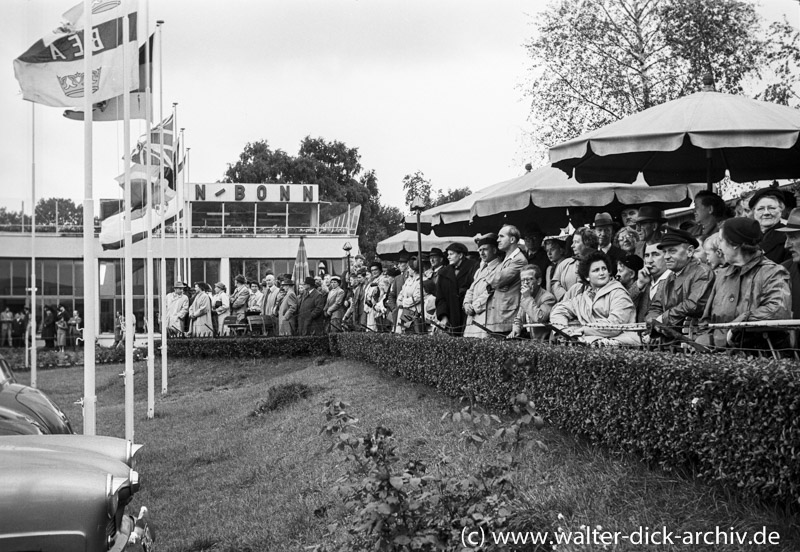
287, 311
240, 298
396, 287
505, 283
310, 309
334, 309
534, 251
177, 309
604, 228
269, 305
451, 289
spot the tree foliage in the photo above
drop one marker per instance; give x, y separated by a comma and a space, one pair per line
58, 210
417, 185
333, 166
597, 61
451, 195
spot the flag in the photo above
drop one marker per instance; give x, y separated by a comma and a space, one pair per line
141, 182
112, 110
158, 152
300, 269
51, 71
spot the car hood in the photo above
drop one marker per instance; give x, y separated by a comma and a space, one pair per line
36, 405
117, 449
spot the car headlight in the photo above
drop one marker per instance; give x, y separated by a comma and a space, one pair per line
113, 485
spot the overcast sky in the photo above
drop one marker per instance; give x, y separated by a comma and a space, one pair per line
430, 85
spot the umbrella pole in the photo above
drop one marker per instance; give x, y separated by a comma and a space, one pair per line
709, 183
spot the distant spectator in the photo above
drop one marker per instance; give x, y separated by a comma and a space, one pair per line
177, 309
626, 239
62, 327
6, 322
451, 288
649, 227
584, 242
438, 262
628, 217
709, 211
409, 318
505, 283
556, 249
650, 279
49, 328
240, 298
334, 305
768, 205
75, 324
751, 288
628, 268
382, 306
18, 328
604, 228
269, 305
200, 320
535, 304
287, 310
477, 298
532, 239
310, 309
256, 298
221, 305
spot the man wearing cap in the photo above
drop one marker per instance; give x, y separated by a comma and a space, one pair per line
287, 309
604, 228
240, 298
451, 288
709, 212
505, 284
334, 310
477, 298
648, 225
792, 233
684, 294
310, 309
534, 251
269, 305
750, 288
177, 309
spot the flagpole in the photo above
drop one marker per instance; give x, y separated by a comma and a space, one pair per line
151, 369
128, 237
188, 211
176, 173
89, 275
180, 182
33, 247
163, 290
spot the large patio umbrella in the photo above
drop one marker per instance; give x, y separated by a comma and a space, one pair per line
300, 269
691, 139
406, 242
543, 196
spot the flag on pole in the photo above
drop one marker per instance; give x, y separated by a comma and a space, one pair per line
51, 71
111, 110
157, 151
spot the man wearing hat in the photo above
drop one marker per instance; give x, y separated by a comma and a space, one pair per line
177, 309
310, 309
334, 309
532, 239
648, 225
709, 212
287, 309
604, 228
451, 288
792, 233
505, 285
240, 298
684, 294
477, 297
438, 262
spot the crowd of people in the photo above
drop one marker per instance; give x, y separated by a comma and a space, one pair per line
59, 329
587, 285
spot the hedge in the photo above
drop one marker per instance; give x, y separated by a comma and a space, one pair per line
247, 347
733, 421
48, 358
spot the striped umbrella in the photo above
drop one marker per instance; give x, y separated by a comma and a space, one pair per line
300, 270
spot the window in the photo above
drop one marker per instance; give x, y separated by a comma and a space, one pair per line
65, 277
207, 217
271, 218
239, 218
5, 278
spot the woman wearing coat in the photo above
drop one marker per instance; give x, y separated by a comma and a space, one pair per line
200, 320
602, 300
477, 298
49, 328
287, 312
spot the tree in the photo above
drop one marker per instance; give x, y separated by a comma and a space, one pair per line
385, 221
451, 195
60, 211
333, 166
417, 186
596, 61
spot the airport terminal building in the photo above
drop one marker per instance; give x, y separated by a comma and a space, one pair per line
232, 229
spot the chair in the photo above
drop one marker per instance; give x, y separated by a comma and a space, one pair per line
255, 324
234, 327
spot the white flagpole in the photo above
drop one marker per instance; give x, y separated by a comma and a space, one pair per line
151, 369
128, 237
188, 212
181, 181
33, 248
163, 290
89, 275
176, 143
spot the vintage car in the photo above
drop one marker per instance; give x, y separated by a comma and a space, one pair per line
30, 404
68, 493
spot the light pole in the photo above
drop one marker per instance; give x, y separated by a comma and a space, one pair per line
418, 206
347, 248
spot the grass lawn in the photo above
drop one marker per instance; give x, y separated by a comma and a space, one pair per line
217, 478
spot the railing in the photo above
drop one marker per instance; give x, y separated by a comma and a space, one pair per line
62, 229
72, 230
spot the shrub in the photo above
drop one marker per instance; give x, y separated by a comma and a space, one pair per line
281, 395
733, 421
247, 347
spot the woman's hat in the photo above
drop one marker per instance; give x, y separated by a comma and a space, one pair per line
634, 262
221, 286
742, 231
772, 191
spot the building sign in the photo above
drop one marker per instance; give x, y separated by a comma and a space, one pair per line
254, 193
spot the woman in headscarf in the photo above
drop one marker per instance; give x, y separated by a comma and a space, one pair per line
602, 300
750, 288
200, 320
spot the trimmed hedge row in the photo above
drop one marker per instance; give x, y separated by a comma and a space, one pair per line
734, 421
247, 347
54, 359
